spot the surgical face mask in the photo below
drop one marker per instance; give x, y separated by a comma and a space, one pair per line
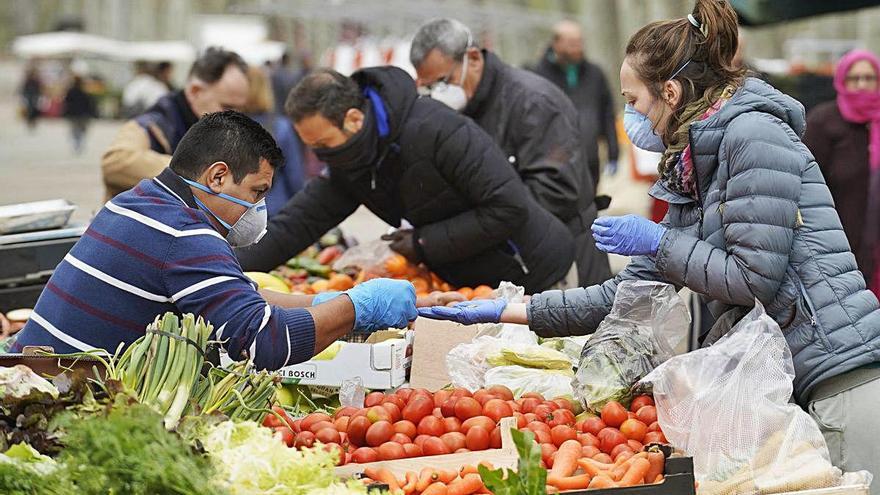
452, 95
640, 130
250, 226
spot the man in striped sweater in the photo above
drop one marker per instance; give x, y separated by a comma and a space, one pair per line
166, 245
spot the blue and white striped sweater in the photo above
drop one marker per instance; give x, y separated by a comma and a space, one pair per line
149, 251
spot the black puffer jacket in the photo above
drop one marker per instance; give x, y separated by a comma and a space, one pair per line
442, 173
536, 126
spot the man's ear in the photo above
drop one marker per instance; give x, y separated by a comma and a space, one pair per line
217, 174
354, 121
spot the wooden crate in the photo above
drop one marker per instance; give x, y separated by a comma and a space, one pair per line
506, 456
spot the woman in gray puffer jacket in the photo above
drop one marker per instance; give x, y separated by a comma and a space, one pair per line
750, 218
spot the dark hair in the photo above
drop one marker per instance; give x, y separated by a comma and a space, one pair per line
230, 137
659, 49
211, 64
163, 66
325, 92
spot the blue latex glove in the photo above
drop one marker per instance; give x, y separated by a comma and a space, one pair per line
468, 313
324, 297
611, 167
383, 303
629, 235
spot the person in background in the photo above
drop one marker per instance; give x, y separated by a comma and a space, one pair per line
144, 145
31, 91
844, 136
414, 160
165, 74
530, 119
750, 217
564, 65
79, 109
143, 91
284, 78
260, 105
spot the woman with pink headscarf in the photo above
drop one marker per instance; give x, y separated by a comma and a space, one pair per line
844, 136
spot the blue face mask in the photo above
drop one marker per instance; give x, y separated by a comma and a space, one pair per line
250, 226
640, 130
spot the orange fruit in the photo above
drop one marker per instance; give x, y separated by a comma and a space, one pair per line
340, 281
396, 265
321, 286
483, 292
420, 284
466, 292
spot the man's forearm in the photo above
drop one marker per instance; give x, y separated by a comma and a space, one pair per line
333, 319
286, 301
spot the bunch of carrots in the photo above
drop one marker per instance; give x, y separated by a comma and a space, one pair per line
431, 481
572, 471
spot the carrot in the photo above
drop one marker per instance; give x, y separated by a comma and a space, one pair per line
468, 485
594, 468
603, 458
467, 469
565, 462
636, 473
571, 482
436, 489
623, 466
658, 463
445, 476
551, 489
602, 481
659, 479
383, 475
410, 486
426, 477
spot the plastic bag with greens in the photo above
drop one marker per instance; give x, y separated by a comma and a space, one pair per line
646, 322
520, 380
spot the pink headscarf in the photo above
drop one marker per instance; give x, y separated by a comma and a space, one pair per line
860, 107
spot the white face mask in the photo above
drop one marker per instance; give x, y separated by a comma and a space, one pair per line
452, 95
640, 130
250, 226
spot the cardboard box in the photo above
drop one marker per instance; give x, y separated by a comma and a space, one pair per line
382, 362
433, 341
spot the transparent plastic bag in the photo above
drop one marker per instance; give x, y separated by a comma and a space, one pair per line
729, 407
370, 256
646, 322
520, 380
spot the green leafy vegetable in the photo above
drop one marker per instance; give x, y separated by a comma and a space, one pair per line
529, 478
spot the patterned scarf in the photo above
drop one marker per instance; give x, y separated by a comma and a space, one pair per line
676, 167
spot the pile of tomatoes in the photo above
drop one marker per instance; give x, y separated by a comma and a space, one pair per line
415, 422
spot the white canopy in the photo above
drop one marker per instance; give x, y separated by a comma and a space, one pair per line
70, 44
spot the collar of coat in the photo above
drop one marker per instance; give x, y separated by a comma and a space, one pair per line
492, 69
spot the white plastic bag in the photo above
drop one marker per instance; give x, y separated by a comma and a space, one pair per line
729, 407
520, 380
646, 323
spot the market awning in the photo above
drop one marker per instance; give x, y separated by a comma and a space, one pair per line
760, 12
70, 44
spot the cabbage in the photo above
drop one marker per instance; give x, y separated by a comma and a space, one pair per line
250, 460
532, 356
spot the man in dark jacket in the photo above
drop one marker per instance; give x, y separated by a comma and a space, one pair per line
564, 65
532, 122
411, 158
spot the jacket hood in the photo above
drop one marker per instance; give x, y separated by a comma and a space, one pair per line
397, 89
756, 95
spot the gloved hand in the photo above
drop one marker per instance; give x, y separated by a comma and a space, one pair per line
468, 313
383, 303
611, 167
629, 235
324, 297
403, 243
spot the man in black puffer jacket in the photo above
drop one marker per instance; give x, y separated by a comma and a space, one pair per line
411, 158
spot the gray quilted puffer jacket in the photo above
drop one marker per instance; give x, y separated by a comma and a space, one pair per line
766, 228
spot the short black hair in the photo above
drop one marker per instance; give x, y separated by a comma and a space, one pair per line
231, 137
325, 92
211, 64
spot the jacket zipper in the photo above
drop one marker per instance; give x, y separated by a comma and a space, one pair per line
809, 302
696, 183
518, 257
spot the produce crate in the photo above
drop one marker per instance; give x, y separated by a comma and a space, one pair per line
506, 456
678, 480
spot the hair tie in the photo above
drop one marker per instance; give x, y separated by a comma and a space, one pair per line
697, 24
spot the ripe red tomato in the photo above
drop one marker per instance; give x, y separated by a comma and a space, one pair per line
396, 400
304, 439
537, 426
655, 437
400, 438
412, 450
461, 392
501, 391
357, 431
641, 401
482, 396
364, 455
379, 413
543, 437
340, 452
320, 425
589, 451
341, 423
609, 438
655, 426
448, 407
520, 419
495, 438
477, 438
547, 451
514, 406
593, 425
345, 411
533, 395
435, 446
451, 424
529, 404
544, 413
405, 427
467, 408
647, 414
285, 434
420, 440
430, 425
561, 433
613, 414
561, 417
455, 440
441, 396
484, 421
552, 405
272, 421
404, 393
530, 417
313, 418
417, 408
634, 429
635, 445
497, 409
437, 413
564, 403
588, 439
617, 450
379, 433
328, 435
389, 451
373, 399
